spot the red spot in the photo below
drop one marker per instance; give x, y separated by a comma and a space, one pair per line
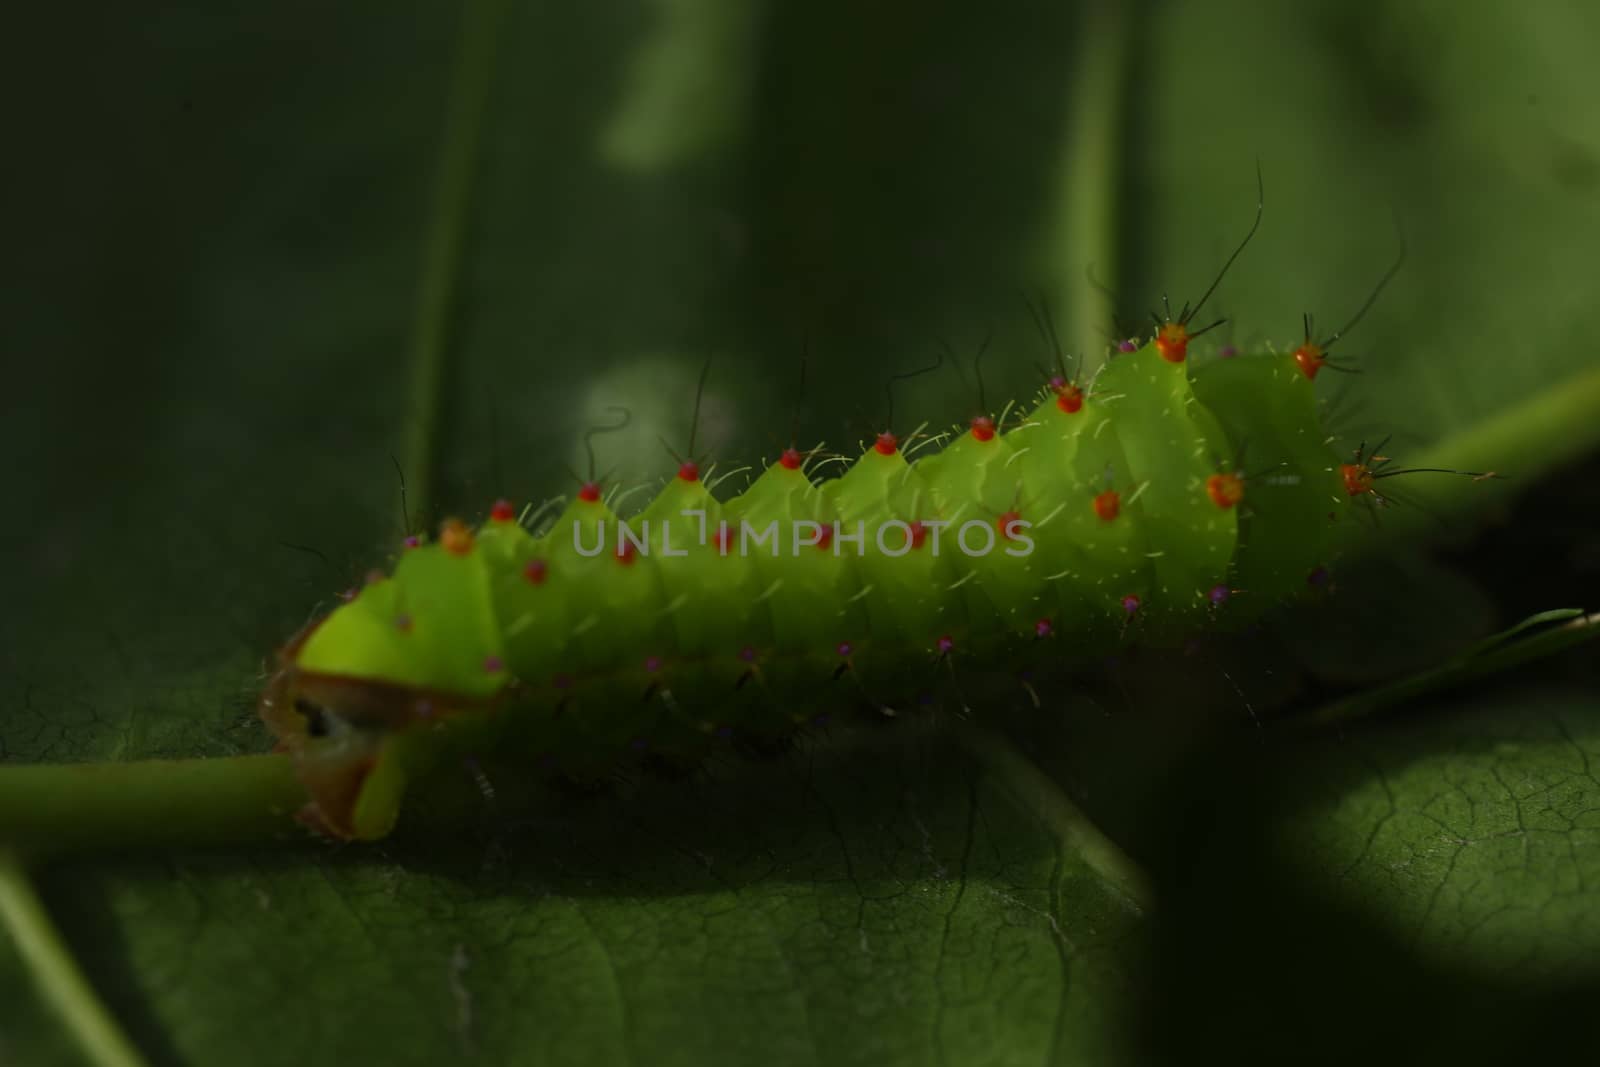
626, 553
1043, 628
1069, 398
403, 623
825, 538
919, 533
724, 538
887, 444
945, 645
413, 541
1225, 490
1357, 478
590, 492
536, 571
689, 472
1131, 603
502, 511
1172, 342
493, 665
983, 428
1310, 358
1003, 523
792, 460
1108, 505
456, 537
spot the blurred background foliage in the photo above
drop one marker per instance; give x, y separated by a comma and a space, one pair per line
217, 217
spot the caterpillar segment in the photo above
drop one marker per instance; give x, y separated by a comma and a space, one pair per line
1116, 516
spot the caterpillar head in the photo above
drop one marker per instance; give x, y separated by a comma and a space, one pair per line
332, 729
402, 652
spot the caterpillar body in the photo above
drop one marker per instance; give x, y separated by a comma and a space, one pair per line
1109, 512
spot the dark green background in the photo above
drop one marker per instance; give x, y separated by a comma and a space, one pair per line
215, 219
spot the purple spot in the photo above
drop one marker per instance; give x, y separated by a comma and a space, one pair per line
1025, 674
748, 654
1318, 577
1057, 383
821, 720
1228, 352
492, 665
403, 623
945, 645
1130, 345
1219, 594
924, 698
1191, 646
1042, 628
638, 744
1130, 604
845, 648
424, 709
724, 732
562, 681
652, 664
412, 541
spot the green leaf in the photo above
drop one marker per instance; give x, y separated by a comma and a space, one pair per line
222, 222
1424, 887
1471, 835
885, 900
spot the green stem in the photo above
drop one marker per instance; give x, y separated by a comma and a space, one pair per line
52, 808
1086, 219
1038, 792
1550, 428
1533, 638
61, 982
441, 262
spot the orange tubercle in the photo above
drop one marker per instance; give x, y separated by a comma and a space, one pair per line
791, 460
589, 493
502, 511
983, 428
1357, 478
689, 472
1172, 342
1108, 505
1225, 490
1069, 398
456, 537
1004, 522
1310, 358
887, 444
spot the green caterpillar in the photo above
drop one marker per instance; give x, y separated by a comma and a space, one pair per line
1110, 511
